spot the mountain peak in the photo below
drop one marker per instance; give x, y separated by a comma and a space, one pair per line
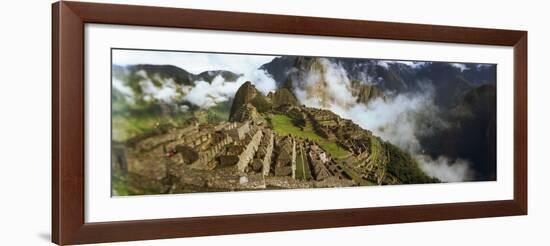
248, 94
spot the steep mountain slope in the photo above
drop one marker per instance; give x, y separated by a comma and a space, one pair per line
179, 75
161, 83
450, 79
322, 83
279, 67
424, 94
144, 96
472, 135
246, 94
364, 157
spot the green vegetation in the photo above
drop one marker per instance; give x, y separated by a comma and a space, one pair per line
302, 169
284, 96
400, 164
219, 112
136, 122
130, 120
356, 177
261, 103
120, 186
128, 127
335, 151
405, 168
377, 153
135, 115
283, 125
179, 75
227, 75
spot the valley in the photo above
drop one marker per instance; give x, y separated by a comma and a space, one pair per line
300, 123
288, 147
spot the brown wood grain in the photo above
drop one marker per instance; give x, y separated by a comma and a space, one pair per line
520, 122
68, 122
68, 224
55, 122
251, 22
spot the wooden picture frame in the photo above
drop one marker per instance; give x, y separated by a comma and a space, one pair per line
68, 122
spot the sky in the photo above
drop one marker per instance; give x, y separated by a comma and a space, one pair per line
397, 119
192, 62
203, 94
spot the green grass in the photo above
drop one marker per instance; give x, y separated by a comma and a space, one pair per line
300, 172
354, 175
405, 168
124, 184
119, 185
219, 112
283, 125
336, 151
125, 127
302, 169
130, 121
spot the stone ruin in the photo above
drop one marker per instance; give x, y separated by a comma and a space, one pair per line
285, 158
244, 154
227, 156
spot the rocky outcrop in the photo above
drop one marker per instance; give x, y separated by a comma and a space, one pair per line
248, 94
366, 92
252, 152
317, 157
472, 134
284, 156
247, 113
244, 95
265, 152
283, 97
239, 131
248, 153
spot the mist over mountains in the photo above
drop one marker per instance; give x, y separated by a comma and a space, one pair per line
443, 114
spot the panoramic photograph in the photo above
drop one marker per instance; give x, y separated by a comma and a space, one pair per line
193, 122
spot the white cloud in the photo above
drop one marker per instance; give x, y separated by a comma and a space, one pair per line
167, 92
412, 64
203, 94
393, 120
445, 169
460, 66
384, 64
263, 81
483, 66
322, 89
190, 61
122, 88
400, 119
206, 94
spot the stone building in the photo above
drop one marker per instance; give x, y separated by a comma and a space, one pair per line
248, 153
240, 131
285, 161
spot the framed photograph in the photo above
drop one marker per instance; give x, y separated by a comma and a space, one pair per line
174, 122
